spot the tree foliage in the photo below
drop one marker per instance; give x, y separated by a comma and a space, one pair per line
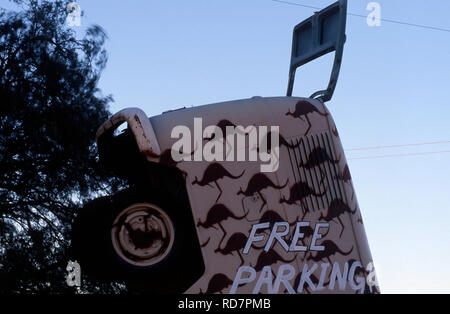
50, 109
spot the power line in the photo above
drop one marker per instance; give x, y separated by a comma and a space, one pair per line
401, 155
365, 16
396, 145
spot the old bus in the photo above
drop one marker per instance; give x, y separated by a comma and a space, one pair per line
244, 196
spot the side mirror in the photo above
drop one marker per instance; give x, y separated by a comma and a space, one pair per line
316, 36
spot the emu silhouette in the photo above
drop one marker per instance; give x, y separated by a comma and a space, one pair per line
235, 243
212, 174
302, 109
337, 208
217, 283
268, 258
256, 184
331, 249
216, 215
298, 192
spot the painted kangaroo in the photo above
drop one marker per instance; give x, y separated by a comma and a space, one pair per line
256, 184
360, 220
268, 258
281, 142
166, 158
235, 243
362, 272
308, 232
272, 217
217, 283
316, 158
206, 242
216, 215
298, 192
331, 249
222, 125
314, 280
302, 109
335, 210
359, 271
212, 174
346, 177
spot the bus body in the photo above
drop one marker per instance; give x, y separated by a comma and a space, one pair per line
270, 205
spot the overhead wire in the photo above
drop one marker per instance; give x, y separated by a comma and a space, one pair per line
365, 16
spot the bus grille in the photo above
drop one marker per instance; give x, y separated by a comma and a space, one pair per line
314, 161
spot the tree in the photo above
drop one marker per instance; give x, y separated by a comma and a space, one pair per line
50, 109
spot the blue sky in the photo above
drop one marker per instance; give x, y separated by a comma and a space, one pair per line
393, 89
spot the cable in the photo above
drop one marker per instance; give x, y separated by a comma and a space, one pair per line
397, 145
365, 16
400, 155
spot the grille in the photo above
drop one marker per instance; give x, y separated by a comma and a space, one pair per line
314, 161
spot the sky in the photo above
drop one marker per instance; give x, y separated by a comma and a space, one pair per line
393, 89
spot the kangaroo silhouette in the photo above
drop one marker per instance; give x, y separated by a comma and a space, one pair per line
272, 217
217, 283
331, 249
308, 232
314, 280
346, 177
337, 208
206, 242
359, 270
216, 215
143, 238
281, 142
335, 132
360, 220
298, 192
302, 109
166, 158
235, 243
256, 184
268, 258
222, 125
212, 174
316, 158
